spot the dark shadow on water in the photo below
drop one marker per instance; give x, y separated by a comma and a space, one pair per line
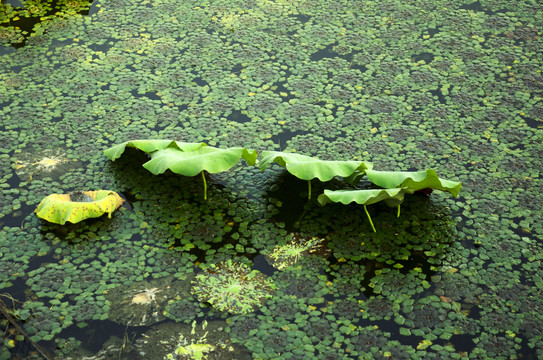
96, 333
425, 56
288, 194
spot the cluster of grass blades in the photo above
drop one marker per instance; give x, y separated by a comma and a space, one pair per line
191, 159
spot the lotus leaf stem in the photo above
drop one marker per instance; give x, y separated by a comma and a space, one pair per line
308, 189
205, 185
398, 211
369, 218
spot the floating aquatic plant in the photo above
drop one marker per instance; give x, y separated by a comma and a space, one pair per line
42, 321
232, 287
288, 254
78, 206
183, 310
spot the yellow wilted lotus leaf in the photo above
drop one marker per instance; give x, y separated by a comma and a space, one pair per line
78, 206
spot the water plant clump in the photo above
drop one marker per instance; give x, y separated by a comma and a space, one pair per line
232, 287
283, 256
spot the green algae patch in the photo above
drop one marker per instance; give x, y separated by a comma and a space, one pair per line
78, 206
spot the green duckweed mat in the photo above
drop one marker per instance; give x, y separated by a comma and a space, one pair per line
257, 271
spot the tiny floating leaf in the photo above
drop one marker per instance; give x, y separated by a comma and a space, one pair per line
78, 206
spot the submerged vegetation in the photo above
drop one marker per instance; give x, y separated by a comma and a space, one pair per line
325, 88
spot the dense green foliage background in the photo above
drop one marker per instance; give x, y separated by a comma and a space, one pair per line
408, 85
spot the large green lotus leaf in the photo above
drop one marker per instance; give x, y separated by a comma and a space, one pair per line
191, 163
413, 180
150, 146
307, 168
62, 208
392, 197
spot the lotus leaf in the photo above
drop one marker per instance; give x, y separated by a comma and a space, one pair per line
412, 181
183, 158
392, 197
150, 146
60, 208
307, 168
191, 163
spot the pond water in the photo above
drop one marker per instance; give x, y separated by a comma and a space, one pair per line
258, 271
